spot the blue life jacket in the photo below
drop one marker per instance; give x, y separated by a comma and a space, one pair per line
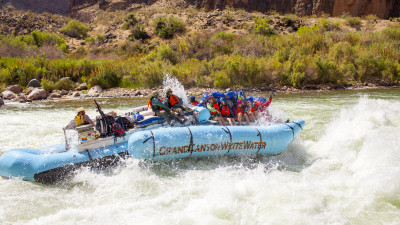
137, 117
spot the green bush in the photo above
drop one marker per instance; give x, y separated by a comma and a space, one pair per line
289, 19
139, 33
47, 85
64, 84
354, 22
105, 80
327, 71
39, 39
166, 28
75, 29
221, 79
164, 52
262, 27
90, 40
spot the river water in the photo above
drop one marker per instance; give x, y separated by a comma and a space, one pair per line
344, 168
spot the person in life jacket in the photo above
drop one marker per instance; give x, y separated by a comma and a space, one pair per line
226, 112
248, 112
213, 106
176, 104
162, 110
240, 113
80, 119
262, 109
193, 101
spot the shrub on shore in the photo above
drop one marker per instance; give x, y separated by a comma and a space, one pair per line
75, 29
317, 54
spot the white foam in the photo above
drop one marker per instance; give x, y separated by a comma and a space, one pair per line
177, 88
348, 173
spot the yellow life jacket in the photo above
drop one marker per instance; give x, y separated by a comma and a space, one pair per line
80, 120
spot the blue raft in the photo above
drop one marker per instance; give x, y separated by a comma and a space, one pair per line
201, 141
53, 163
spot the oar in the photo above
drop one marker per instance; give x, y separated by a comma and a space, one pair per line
66, 141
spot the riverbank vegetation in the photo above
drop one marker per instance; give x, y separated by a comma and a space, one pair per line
323, 53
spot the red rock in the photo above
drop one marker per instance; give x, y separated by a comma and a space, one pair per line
8, 95
37, 94
15, 88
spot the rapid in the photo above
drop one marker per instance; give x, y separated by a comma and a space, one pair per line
344, 168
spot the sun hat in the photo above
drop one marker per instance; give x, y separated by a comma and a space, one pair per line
80, 109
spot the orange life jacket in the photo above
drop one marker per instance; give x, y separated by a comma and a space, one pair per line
215, 106
173, 100
225, 111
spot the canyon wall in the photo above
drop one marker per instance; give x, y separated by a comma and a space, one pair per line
381, 8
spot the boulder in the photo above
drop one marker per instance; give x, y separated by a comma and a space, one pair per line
76, 94
54, 95
95, 90
29, 90
138, 93
64, 92
37, 94
8, 95
1, 102
34, 83
22, 99
82, 86
15, 88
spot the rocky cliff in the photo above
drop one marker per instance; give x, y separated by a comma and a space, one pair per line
53, 6
381, 8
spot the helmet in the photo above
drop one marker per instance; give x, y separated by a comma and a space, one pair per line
250, 98
229, 94
205, 97
169, 90
192, 99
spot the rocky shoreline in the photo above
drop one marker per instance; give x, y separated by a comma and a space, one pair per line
35, 92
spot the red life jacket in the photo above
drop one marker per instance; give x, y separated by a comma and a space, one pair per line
225, 111
215, 106
254, 108
239, 110
173, 100
195, 103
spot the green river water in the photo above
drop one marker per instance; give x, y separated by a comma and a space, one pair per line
343, 168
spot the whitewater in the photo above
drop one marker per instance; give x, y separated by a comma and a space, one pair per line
344, 168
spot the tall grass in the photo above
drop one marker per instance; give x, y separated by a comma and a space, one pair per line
313, 55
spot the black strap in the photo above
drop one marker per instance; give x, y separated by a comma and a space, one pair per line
90, 157
154, 143
291, 129
259, 134
297, 125
230, 136
191, 141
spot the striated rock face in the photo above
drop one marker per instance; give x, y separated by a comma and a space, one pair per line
53, 6
381, 8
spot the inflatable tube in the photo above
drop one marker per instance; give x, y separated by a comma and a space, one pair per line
201, 141
140, 109
53, 163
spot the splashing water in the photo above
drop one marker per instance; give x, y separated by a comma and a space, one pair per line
344, 168
176, 87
